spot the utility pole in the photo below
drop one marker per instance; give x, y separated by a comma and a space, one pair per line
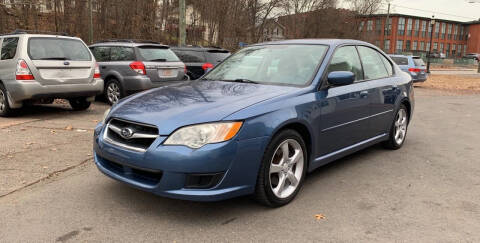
386, 28
182, 32
90, 30
429, 54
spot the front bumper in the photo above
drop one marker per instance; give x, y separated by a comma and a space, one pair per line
163, 170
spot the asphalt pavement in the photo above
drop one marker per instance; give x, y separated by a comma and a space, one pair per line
428, 191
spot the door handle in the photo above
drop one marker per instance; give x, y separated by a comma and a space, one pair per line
364, 94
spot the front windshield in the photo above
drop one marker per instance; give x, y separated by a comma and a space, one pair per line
273, 64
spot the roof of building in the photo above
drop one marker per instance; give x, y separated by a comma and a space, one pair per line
419, 17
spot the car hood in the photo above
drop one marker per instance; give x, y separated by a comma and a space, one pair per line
177, 105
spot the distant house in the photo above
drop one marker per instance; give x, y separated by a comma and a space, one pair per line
273, 31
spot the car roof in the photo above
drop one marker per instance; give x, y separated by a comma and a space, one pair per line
39, 35
129, 43
330, 42
198, 48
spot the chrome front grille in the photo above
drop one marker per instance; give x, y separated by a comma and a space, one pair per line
130, 135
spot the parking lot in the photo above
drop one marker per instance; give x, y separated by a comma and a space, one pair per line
428, 191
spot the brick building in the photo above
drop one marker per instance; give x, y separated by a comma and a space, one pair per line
407, 33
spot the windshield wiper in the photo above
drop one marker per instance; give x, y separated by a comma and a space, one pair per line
158, 60
53, 58
244, 80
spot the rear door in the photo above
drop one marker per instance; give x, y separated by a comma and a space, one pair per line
161, 63
60, 60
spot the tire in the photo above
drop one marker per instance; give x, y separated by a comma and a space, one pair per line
79, 104
400, 125
5, 110
113, 91
269, 190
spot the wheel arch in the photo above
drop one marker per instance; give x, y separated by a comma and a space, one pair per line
408, 105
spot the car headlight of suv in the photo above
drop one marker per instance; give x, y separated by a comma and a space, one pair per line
105, 115
195, 136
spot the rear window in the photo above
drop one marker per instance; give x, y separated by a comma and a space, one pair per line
9, 48
217, 56
157, 54
400, 60
190, 56
418, 61
46, 48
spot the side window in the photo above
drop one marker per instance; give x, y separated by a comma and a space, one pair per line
9, 48
190, 56
119, 53
387, 64
346, 59
373, 66
101, 53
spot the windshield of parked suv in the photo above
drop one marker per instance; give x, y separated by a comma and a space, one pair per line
418, 61
52, 48
400, 60
272, 64
157, 54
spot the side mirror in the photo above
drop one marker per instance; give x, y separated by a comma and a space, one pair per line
339, 78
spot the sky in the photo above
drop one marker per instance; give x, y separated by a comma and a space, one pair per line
459, 10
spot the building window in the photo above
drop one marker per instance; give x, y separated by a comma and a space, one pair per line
461, 33
369, 25
386, 46
408, 45
444, 26
455, 32
466, 33
416, 29
441, 47
448, 50
399, 47
428, 47
409, 27
360, 28
464, 49
449, 31
437, 29
378, 26
424, 28
453, 49
435, 47
414, 46
422, 46
388, 27
401, 26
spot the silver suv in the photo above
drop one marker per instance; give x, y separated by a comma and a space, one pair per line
36, 68
130, 66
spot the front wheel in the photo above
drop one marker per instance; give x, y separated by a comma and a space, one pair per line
283, 169
79, 104
398, 130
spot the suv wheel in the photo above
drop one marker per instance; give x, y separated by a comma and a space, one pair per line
283, 169
4, 107
113, 91
79, 104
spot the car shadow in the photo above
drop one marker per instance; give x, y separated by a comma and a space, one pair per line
221, 212
53, 110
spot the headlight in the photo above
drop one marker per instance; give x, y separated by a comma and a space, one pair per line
196, 136
105, 115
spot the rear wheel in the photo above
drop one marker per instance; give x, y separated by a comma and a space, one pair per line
283, 169
79, 104
5, 109
113, 91
398, 130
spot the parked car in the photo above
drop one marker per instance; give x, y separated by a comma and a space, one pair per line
437, 55
130, 66
200, 59
232, 133
413, 65
37, 68
474, 56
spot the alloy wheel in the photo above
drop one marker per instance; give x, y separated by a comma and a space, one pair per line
400, 126
286, 168
3, 101
113, 92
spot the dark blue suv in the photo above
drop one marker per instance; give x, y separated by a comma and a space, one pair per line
258, 122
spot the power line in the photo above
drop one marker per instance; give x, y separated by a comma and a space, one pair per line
436, 12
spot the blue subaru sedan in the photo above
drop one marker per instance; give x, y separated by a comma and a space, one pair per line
258, 122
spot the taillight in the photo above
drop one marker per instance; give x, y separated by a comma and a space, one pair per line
414, 70
206, 66
185, 69
96, 73
138, 67
23, 72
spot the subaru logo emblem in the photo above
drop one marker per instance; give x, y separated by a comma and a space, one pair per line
126, 133
66, 63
